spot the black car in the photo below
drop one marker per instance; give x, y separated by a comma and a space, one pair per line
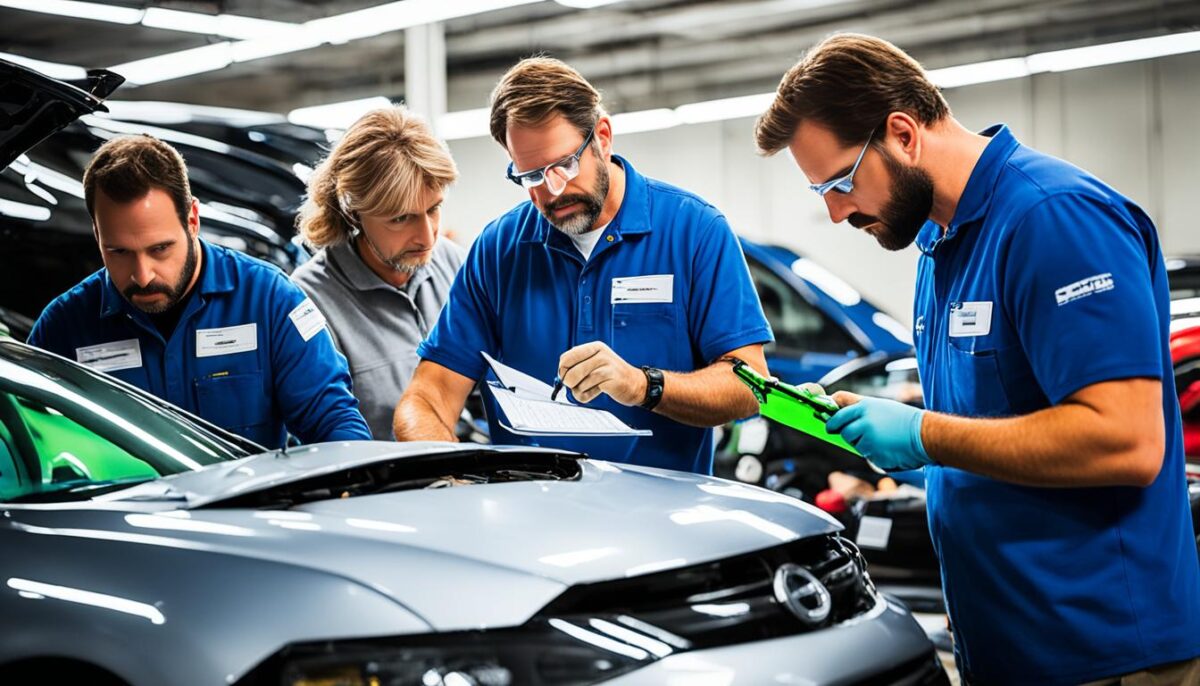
248, 200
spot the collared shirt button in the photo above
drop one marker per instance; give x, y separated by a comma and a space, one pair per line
609, 238
587, 300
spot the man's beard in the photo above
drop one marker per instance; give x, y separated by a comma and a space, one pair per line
583, 220
910, 200
174, 293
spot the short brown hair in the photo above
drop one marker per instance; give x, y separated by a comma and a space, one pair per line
535, 89
127, 167
848, 83
380, 166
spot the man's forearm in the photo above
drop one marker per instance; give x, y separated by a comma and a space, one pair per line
1064, 445
416, 419
706, 397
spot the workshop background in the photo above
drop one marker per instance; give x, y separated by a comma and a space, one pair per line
1111, 85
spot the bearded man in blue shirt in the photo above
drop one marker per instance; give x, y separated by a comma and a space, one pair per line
1051, 445
628, 289
215, 332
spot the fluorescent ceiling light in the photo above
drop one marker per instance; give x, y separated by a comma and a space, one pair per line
725, 108
1067, 60
153, 112
176, 64
586, 4
981, 72
337, 115
464, 124
227, 25
645, 120
394, 16
1114, 53
78, 10
295, 40
63, 72
949, 77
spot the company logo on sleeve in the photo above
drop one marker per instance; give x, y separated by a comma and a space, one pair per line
1084, 287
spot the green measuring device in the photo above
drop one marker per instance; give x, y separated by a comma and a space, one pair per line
792, 406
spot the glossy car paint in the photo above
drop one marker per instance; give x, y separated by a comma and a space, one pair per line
864, 329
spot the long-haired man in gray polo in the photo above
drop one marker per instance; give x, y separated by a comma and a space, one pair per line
383, 273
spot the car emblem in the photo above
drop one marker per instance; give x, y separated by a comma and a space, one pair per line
805, 596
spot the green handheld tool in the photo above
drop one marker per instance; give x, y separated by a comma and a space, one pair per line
792, 406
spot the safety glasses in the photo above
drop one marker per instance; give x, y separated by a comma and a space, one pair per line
844, 184
556, 175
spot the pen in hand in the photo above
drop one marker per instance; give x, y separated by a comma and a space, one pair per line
558, 386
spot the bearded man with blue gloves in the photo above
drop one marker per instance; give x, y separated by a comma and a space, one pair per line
1052, 445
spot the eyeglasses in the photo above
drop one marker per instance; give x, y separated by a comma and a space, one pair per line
844, 184
556, 175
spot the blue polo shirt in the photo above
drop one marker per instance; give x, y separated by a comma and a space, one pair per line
526, 295
1047, 281
250, 352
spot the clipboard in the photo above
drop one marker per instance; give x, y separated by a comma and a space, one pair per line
527, 410
791, 406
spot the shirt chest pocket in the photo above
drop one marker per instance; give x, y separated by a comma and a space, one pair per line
650, 334
991, 378
233, 400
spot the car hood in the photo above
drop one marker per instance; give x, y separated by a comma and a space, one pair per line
33, 106
462, 557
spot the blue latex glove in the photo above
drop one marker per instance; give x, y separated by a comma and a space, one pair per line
886, 432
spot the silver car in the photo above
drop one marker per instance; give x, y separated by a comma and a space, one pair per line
140, 545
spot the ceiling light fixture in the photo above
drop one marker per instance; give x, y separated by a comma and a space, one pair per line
947, 77
586, 4
226, 25
336, 115
176, 64
55, 70
79, 10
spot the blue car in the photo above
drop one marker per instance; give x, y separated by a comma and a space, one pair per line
820, 321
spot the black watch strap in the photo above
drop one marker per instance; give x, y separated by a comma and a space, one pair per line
654, 387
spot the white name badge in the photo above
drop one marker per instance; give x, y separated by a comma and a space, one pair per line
307, 319
226, 341
971, 319
111, 357
659, 288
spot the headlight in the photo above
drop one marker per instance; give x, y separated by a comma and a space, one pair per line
555, 653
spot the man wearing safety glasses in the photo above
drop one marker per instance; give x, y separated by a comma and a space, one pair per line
1051, 446
627, 289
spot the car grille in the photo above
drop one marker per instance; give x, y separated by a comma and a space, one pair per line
730, 601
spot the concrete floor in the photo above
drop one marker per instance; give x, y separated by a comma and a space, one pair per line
932, 624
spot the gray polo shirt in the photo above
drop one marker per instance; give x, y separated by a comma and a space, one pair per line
376, 325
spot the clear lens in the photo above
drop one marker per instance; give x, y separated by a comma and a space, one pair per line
532, 180
555, 176
558, 176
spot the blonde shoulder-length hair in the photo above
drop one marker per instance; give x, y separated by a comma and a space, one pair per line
381, 166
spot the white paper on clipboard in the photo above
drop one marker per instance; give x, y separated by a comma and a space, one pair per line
529, 411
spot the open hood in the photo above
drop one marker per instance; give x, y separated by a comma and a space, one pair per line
33, 106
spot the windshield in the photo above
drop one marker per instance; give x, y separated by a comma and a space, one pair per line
799, 327
70, 433
894, 378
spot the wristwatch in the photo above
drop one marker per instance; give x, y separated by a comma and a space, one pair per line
654, 387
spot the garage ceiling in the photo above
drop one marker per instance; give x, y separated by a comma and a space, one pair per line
641, 53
